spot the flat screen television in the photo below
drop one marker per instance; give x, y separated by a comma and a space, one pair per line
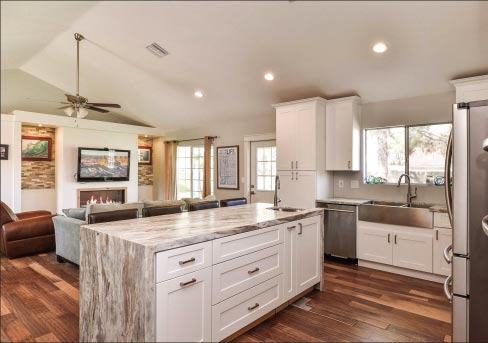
95, 165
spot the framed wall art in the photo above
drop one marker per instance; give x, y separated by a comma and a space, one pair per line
228, 167
36, 148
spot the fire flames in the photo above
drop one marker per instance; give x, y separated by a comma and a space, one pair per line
107, 201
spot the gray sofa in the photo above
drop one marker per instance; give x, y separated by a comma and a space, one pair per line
67, 227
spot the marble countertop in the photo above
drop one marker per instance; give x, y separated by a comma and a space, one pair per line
439, 208
177, 230
344, 201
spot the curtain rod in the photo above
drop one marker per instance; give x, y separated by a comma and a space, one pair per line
193, 139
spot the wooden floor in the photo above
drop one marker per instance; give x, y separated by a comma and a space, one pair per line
39, 303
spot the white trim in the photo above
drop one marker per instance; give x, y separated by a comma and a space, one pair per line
318, 99
353, 98
402, 271
469, 80
64, 121
260, 137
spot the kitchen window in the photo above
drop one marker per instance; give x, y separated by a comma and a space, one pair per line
386, 156
189, 171
265, 168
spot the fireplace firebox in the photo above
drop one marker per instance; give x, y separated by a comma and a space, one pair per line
114, 195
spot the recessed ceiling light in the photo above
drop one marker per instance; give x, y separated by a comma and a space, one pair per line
198, 94
145, 136
380, 47
269, 76
40, 125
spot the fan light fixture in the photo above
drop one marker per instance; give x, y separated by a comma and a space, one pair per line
69, 111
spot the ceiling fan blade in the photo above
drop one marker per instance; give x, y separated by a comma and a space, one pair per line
71, 98
101, 110
103, 105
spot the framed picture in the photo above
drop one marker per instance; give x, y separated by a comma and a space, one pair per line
3, 151
228, 167
145, 155
36, 148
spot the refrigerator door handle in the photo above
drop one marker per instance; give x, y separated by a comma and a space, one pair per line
448, 257
484, 223
447, 291
447, 181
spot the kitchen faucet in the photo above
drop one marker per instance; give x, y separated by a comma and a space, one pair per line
277, 185
410, 196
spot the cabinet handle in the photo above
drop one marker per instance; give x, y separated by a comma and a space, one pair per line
187, 261
291, 227
301, 228
253, 307
296, 164
291, 164
253, 271
395, 239
292, 175
296, 175
183, 284
349, 164
436, 235
389, 237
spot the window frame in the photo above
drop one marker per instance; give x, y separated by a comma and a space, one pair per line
407, 149
270, 161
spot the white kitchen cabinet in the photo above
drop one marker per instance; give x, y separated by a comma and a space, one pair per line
413, 249
303, 268
343, 134
442, 239
471, 88
300, 135
297, 188
183, 308
374, 243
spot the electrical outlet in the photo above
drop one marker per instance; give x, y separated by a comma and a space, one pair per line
354, 184
341, 183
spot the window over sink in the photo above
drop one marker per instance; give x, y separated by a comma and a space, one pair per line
386, 156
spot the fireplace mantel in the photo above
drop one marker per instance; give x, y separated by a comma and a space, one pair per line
108, 195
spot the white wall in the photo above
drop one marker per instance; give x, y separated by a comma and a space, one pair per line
68, 140
38, 199
434, 108
10, 175
231, 133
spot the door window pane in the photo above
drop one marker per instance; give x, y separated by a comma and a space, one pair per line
427, 151
265, 168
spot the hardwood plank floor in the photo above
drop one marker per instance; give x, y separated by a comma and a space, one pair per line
39, 303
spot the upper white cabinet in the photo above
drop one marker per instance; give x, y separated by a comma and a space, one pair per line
300, 135
343, 134
471, 89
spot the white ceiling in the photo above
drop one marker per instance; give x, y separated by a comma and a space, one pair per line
224, 48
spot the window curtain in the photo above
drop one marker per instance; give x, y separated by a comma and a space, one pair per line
170, 170
207, 145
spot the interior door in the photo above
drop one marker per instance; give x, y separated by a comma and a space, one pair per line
263, 171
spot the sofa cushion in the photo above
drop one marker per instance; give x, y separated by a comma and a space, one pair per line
97, 208
163, 203
77, 213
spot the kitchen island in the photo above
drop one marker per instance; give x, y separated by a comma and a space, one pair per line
196, 276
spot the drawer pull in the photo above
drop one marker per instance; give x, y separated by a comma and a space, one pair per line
253, 307
187, 261
183, 284
291, 227
253, 271
301, 228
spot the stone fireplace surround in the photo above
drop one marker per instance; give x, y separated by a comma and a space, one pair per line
112, 195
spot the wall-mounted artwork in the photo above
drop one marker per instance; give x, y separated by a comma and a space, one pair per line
145, 155
36, 148
228, 167
3, 151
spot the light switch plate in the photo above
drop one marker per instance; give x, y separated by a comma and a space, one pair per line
354, 184
341, 183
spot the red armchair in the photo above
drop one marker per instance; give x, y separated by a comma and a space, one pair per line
25, 233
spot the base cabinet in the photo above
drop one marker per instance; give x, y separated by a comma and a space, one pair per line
400, 246
183, 308
443, 238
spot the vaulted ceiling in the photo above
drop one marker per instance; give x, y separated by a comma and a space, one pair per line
224, 48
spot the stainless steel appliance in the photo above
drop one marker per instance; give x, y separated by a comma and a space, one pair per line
340, 230
467, 202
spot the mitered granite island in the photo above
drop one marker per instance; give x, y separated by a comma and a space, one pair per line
196, 276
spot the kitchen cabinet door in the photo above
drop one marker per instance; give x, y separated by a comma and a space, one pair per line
308, 253
285, 138
443, 238
305, 186
305, 137
183, 308
290, 260
374, 243
413, 250
287, 191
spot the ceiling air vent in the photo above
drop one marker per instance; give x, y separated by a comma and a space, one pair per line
157, 50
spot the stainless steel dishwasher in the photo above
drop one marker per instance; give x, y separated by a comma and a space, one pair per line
340, 222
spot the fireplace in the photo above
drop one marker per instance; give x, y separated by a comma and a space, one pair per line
102, 196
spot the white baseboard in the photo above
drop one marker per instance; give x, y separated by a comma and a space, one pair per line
402, 271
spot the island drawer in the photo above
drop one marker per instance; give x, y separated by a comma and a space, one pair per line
442, 220
245, 243
237, 275
235, 313
177, 262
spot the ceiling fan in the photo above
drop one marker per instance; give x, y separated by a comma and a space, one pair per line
76, 103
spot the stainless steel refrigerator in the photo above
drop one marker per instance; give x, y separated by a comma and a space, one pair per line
467, 203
